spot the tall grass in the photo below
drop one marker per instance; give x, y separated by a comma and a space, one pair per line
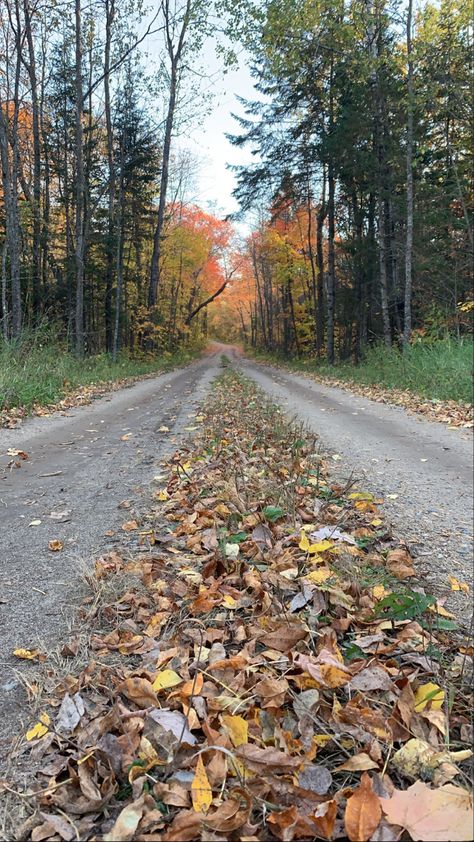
440, 370
40, 370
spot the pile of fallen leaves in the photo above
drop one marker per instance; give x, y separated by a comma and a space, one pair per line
258, 671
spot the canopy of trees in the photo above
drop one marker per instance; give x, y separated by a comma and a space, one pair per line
95, 229
361, 188
363, 176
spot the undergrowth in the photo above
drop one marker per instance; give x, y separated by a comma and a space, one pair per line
441, 370
41, 370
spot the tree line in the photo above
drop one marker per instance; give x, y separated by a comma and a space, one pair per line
361, 188
360, 198
96, 229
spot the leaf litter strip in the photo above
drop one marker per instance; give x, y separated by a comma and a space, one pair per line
256, 670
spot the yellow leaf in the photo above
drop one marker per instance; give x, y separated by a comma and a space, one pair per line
238, 729
361, 495
438, 609
162, 495
40, 729
379, 591
376, 522
26, 654
429, 693
318, 576
304, 542
201, 792
166, 679
321, 739
456, 585
229, 601
321, 547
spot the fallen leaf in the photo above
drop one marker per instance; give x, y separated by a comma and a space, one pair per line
358, 763
70, 713
27, 654
429, 694
140, 691
55, 546
166, 679
363, 811
264, 759
315, 778
400, 564
40, 729
456, 585
201, 792
129, 525
432, 815
238, 729
126, 823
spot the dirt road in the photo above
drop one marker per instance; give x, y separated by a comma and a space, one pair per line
422, 469
82, 465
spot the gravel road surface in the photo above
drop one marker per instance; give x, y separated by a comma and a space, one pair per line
96, 456
83, 464
422, 469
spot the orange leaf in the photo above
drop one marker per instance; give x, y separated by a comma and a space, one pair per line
363, 812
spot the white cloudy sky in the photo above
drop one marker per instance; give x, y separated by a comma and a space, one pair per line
208, 142
205, 137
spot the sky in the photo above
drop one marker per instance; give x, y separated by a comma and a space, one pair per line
208, 142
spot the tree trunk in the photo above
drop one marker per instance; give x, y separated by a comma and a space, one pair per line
110, 13
80, 186
322, 213
409, 231
36, 204
119, 272
10, 193
157, 238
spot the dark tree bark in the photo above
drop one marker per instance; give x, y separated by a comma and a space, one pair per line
175, 51
80, 185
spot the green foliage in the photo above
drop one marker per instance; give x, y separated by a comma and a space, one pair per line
41, 370
440, 370
408, 605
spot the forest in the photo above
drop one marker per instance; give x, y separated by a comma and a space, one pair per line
357, 209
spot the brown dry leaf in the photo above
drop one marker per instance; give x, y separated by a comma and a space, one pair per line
129, 525
285, 637
264, 759
400, 564
140, 691
289, 824
127, 822
359, 763
232, 814
432, 815
363, 812
186, 826
324, 819
55, 546
371, 678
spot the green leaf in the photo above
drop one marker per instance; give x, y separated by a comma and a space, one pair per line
273, 513
237, 538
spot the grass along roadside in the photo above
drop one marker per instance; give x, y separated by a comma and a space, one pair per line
256, 663
435, 379
43, 375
